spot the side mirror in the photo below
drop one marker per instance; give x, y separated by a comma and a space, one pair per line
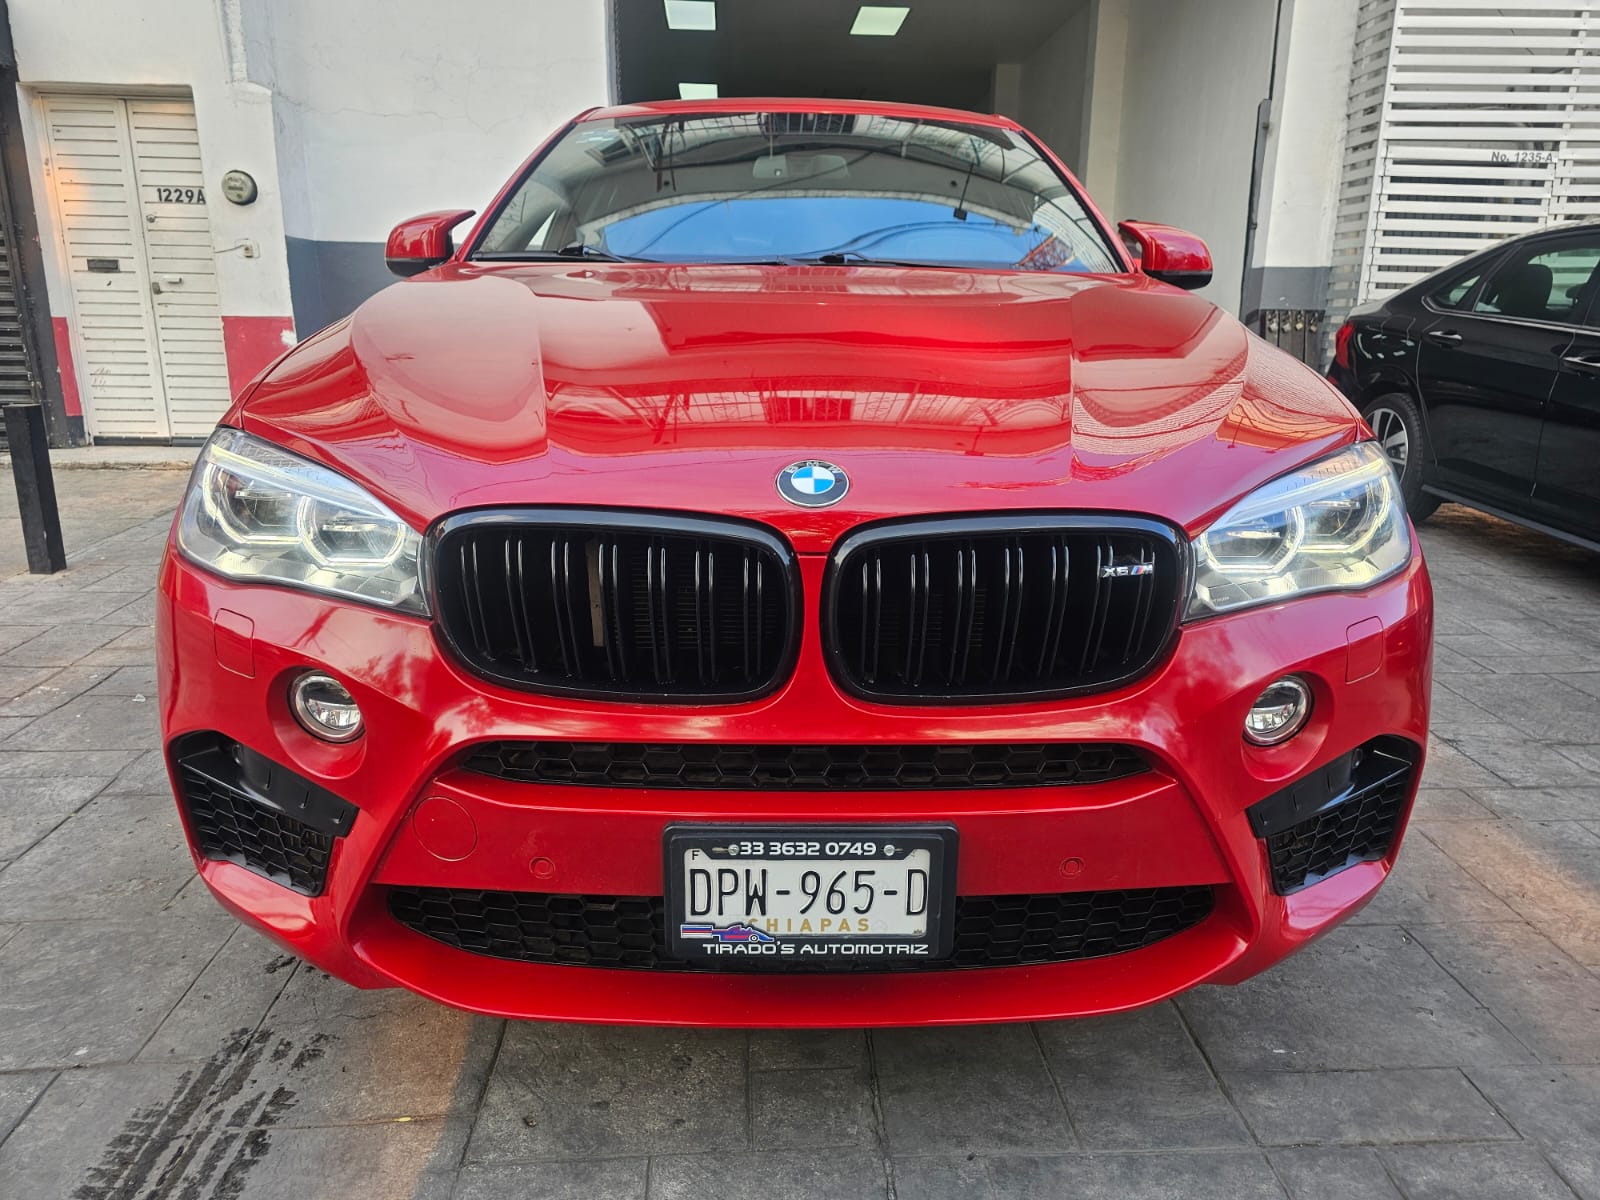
422, 242
1170, 255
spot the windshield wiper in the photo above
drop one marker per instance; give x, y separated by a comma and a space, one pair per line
584, 250
593, 253
834, 258
854, 258
771, 260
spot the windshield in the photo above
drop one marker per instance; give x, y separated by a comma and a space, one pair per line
799, 187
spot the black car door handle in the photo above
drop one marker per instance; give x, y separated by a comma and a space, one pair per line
1587, 363
1443, 337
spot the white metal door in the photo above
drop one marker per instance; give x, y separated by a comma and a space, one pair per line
98, 214
132, 210
182, 267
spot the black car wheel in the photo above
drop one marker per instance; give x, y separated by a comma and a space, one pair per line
1397, 425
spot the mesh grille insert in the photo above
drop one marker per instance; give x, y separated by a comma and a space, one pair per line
1356, 824
629, 931
232, 827
247, 810
714, 766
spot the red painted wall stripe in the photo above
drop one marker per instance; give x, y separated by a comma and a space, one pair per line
71, 402
252, 344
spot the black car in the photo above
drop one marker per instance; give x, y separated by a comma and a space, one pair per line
1483, 382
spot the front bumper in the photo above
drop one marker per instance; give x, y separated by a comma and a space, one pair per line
227, 652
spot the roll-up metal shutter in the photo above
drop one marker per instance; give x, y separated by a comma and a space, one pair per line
16, 368
19, 368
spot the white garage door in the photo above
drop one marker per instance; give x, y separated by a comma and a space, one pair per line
132, 209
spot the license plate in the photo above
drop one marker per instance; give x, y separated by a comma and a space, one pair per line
798, 896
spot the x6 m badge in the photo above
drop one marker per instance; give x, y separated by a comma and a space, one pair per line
1123, 570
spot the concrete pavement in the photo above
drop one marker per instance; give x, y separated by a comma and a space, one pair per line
1444, 1044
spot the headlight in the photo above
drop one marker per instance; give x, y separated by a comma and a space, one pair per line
1336, 525
257, 512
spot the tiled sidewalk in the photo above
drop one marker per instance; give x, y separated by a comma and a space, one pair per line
1445, 1044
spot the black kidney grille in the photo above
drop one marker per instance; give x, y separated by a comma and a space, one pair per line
957, 608
724, 766
630, 931
666, 608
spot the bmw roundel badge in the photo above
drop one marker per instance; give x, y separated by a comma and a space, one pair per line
813, 483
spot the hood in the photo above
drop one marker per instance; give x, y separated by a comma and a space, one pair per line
692, 387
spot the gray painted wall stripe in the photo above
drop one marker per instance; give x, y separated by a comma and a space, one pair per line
1284, 287
328, 279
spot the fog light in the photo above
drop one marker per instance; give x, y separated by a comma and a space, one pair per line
1278, 713
321, 704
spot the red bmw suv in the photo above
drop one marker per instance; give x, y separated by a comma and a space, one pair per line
792, 564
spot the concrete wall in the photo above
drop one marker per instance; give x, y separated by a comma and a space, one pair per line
1304, 158
350, 116
1153, 103
187, 47
1194, 76
1107, 67
387, 108
1005, 91
1054, 91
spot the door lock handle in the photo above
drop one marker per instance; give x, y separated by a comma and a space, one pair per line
1587, 363
1443, 337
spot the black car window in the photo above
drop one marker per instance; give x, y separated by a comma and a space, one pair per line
1593, 318
1453, 293
1542, 282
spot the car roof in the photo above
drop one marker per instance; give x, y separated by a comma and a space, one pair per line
1555, 227
799, 104
1491, 251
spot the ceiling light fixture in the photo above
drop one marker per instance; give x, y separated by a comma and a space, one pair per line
691, 14
697, 91
875, 20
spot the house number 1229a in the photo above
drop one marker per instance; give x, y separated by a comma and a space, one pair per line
180, 195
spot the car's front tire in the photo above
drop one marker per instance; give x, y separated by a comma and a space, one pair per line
1397, 424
